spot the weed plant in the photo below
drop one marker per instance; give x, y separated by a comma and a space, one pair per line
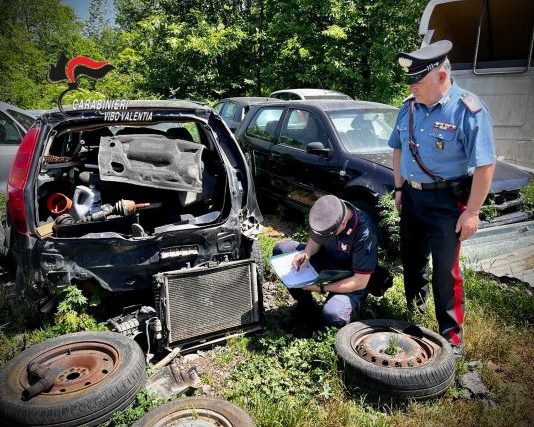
528, 196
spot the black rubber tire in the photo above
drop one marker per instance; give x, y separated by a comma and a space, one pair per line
424, 382
90, 406
193, 406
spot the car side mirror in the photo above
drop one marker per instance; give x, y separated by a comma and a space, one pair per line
318, 148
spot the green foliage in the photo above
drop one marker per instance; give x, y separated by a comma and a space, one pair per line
389, 222
266, 246
144, 402
2, 203
207, 50
512, 303
301, 233
282, 366
488, 210
393, 347
528, 195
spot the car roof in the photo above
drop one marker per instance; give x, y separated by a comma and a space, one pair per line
6, 106
333, 104
248, 100
178, 104
309, 92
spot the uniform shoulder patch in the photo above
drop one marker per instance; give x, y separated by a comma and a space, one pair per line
472, 103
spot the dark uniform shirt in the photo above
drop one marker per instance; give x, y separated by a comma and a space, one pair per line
355, 248
453, 136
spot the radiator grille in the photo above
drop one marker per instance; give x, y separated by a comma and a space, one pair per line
206, 301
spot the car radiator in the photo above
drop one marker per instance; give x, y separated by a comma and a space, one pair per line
201, 303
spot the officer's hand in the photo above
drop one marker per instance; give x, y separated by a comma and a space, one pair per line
398, 203
300, 260
467, 224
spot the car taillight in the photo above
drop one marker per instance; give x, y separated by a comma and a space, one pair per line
18, 177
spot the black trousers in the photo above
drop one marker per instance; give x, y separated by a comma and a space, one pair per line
428, 222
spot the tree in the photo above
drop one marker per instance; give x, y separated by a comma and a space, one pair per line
97, 21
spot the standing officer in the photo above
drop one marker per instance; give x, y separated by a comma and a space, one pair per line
443, 135
341, 238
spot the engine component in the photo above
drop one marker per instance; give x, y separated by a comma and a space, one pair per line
208, 301
132, 322
58, 203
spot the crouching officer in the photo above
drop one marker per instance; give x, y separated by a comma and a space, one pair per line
443, 164
341, 238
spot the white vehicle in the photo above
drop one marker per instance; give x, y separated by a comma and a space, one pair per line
14, 123
307, 94
492, 57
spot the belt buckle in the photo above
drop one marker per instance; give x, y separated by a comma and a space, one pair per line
416, 185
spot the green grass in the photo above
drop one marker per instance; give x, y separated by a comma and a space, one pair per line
282, 380
289, 381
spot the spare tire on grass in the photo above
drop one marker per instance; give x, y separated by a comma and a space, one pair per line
395, 359
196, 411
93, 374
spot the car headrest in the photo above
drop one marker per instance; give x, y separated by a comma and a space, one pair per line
271, 126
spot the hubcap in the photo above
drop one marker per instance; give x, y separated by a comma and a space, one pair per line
80, 365
393, 349
194, 417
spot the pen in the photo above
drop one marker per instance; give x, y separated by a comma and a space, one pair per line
300, 263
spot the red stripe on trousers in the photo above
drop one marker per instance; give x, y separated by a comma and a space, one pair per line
457, 287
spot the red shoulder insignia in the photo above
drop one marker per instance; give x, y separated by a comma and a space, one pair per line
472, 103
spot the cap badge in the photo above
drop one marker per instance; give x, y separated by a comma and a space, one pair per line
405, 63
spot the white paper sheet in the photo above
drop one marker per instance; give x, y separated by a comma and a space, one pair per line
289, 275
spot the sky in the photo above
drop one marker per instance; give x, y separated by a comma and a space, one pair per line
81, 7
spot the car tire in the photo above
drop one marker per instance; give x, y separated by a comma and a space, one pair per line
197, 410
96, 374
423, 367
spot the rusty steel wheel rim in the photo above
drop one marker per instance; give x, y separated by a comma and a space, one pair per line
393, 349
194, 417
80, 365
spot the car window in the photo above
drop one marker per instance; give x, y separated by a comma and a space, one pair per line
23, 119
364, 131
286, 96
229, 110
301, 128
264, 123
9, 134
217, 107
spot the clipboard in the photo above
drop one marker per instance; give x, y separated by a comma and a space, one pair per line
306, 275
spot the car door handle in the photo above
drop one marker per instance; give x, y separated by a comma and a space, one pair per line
275, 156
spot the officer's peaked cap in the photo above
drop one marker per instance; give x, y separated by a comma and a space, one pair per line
420, 62
326, 215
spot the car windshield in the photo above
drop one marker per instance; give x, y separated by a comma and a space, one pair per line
364, 131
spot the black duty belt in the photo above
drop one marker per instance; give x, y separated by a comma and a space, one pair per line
439, 185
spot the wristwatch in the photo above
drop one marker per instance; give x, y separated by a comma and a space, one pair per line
398, 189
321, 288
